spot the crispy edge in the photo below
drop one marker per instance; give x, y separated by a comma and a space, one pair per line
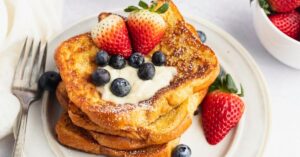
126, 142
77, 138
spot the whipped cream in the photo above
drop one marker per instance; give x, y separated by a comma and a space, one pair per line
140, 89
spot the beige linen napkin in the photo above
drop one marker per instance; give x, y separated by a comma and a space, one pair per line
38, 19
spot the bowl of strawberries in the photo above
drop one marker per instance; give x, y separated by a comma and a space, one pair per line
277, 24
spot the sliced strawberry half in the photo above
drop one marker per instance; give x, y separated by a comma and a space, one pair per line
146, 26
111, 34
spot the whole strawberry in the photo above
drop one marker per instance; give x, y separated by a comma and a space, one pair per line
288, 23
222, 109
146, 26
111, 34
284, 6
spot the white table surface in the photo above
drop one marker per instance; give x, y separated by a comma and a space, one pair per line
234, 17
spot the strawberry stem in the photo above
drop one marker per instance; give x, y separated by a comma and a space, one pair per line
153, 6
265, 5
225, 83
143, 5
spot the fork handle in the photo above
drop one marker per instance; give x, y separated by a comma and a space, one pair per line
18, 150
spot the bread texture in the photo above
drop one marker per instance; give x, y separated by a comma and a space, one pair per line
78, 138
197, 67
149, 128
166, 128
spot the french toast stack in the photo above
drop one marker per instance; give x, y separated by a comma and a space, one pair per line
150, 128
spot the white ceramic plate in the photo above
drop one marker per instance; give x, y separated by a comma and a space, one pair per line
247, 140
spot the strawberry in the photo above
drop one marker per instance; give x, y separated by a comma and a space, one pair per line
111, 34
279, 6
222, 109
146, 26
284, 6
288, 23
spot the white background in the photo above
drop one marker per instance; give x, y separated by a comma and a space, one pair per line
235, 17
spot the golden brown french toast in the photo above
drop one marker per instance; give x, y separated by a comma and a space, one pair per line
77, 138
166, 128
196, 64
108, 140
62, 96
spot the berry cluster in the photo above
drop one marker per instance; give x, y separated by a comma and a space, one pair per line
120, 86
284, 15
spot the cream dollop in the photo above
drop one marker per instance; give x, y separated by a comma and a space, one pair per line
140, 89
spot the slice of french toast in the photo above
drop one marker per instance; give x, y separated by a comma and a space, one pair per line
80, 139
166, 128
196, 64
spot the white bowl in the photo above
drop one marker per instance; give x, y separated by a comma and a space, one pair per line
281, 46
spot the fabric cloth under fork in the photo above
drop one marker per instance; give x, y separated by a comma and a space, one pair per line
33, 18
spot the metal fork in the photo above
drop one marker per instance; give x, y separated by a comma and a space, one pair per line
25, 86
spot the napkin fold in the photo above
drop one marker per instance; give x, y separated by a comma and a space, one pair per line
37, 19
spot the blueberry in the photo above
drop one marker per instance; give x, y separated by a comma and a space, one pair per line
120, 87
146, 71
117, 62
202, 36
182, 151
102, 58
100, 77
158, 58
136, 60
49, 80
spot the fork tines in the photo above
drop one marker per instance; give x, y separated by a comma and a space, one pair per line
30, 65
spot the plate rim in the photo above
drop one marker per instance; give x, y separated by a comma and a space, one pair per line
224, 34
255, 68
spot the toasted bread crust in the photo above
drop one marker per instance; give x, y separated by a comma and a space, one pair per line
149, 135
151, 127
77, 138
196, 64
118, 142
62, 96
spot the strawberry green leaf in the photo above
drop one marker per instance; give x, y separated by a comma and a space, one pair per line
143, 4
230, 85
131, 9
153, 6
216, 85
265, 5
163, 8
225, 83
